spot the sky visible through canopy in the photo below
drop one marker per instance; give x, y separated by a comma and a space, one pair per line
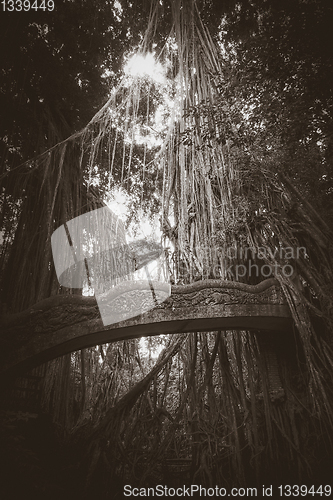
136, 67
141, 66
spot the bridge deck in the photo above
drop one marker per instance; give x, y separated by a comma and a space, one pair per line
66, 323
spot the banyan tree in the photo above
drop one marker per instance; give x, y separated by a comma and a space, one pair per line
228, 408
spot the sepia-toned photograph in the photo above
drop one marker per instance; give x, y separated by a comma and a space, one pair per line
166, 249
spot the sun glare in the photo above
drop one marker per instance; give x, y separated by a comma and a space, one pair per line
139, 66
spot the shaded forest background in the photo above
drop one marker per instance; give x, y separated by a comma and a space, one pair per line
208, 409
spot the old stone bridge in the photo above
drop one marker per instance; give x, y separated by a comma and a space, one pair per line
66, 323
